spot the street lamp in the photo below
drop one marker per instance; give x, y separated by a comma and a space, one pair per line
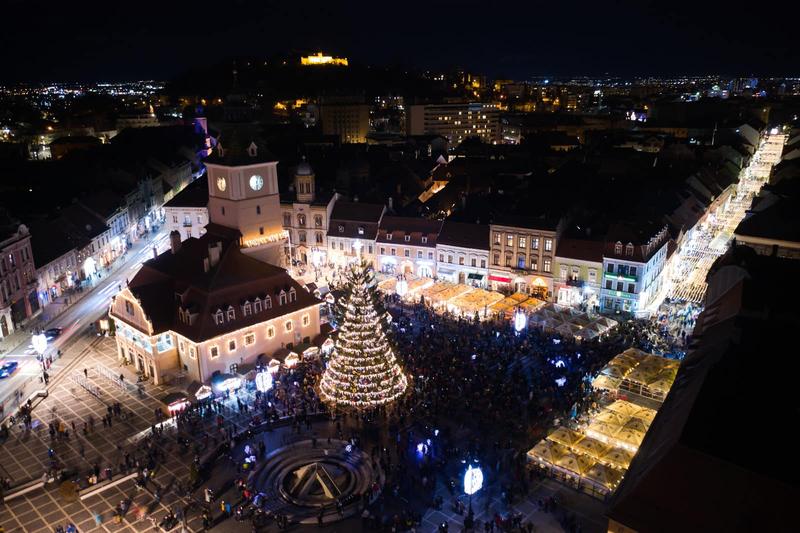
473, 481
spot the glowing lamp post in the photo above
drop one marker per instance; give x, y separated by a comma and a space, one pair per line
473, 481
263, 381
520, 321
39, 342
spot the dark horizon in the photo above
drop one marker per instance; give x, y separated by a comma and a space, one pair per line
110, 42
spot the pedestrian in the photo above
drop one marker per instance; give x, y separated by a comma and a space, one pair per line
86, 373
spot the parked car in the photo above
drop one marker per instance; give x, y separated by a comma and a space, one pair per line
8, 368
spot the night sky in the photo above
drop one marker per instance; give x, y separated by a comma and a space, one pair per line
89, 40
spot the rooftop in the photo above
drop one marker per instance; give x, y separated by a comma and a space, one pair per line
194, 195
464, 235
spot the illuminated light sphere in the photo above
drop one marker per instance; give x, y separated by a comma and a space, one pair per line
520, 321
263, 381
39, 343
473, 480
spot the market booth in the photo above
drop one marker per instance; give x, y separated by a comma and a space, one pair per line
636, 372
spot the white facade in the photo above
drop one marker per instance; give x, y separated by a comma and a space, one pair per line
188, 221
633, 286
462, 265
404, 258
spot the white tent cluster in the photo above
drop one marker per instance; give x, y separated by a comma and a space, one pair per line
637, 372
570, 323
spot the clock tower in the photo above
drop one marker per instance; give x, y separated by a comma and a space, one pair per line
243, 194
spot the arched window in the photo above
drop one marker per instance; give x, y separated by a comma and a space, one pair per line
257, 305
247, 309
268, 302
618, 248
282, 298
629, 249
292, 295
219, 318
231, 313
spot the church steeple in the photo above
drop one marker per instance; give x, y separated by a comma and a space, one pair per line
304, 182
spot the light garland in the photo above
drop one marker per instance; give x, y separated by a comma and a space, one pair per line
363, 371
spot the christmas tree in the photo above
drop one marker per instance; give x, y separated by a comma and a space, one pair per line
362, 371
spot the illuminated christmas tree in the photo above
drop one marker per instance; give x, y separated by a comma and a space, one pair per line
362, 371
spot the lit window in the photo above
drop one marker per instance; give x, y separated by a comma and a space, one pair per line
306, 320
424, 240
618, 248
282, 298
249, 339
548, 245
270, 332
509, 241
547, 265
231, 313
219, 318
407, 238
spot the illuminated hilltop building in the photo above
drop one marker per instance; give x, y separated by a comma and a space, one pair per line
320, 59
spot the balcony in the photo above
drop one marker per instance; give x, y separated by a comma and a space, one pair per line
576, 283
187, 224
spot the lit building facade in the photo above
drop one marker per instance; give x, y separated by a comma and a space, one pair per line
350, 122
320, 59
407, 245
306, 217
522, 257
455, 122
633, 271
187, 212
352, 232
243, 195
18, 300
462, 253
204, 308
577, 273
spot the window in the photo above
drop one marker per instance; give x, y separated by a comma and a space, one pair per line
282, 298
213, 352
270, 332
341, 228
522, 242
575, 273
619, 286
430, 255
496, 259
450, 259
287, 219
548, 245
192, 352
508, 260
521, 261
306, 320
249, 339
258, 210
257, 305
318, 237
301, 236
181, 347
563, 272
424, 240
608, 284
419, 254
219, 318
592, 275
247, 309
317, 221
472, 262
231, 313
534, 243
618, 248
128, 307
232, 345
534, 264
497, 238
361, 230
383, 250
388, 236
483, 263
292, 295
301, 220
441, 258
407, 252
268, 302
632, 271
394, 251
461, 260
261, 230
629, 249
288, 325
174, 219
631, 288
510, 241
547, 265
407, 238
610, 268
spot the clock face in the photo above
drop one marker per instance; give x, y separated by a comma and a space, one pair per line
256, 182
221, 184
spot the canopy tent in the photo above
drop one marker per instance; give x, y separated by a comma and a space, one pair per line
602, 431
567, 329
565, 436
618, 457
477, 300
624, 408
453, 291
591, 447
604, 382
547, 451
615, 371
603, 475
388, 285
636, 424
435, 288
531, 304
611, 417
577, 463
629, 439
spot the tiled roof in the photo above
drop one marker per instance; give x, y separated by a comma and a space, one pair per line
464, 235
414, 228
194, 195
357, 211
779, 221
580, 249
171, 281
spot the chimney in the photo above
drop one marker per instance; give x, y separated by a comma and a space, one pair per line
214, 251
174, 241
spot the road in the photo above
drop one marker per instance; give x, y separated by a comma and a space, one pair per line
74, 320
